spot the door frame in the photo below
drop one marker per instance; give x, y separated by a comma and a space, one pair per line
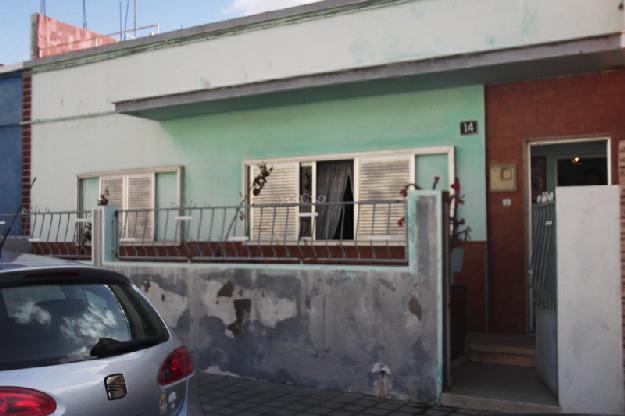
529, 144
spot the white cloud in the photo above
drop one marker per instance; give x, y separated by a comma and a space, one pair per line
246, 7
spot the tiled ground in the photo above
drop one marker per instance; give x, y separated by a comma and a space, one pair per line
223, 395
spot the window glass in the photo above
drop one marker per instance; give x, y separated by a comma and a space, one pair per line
58, 323
89, 193
166, 197
305, 197
335, 192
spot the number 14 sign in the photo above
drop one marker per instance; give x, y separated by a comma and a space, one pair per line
468, 127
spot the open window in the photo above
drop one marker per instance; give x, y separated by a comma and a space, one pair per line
308, 200
351, 197
327, 200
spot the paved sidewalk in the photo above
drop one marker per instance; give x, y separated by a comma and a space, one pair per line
224, 395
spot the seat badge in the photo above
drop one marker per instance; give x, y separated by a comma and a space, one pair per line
115, 385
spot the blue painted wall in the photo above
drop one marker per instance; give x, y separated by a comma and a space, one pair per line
10, 142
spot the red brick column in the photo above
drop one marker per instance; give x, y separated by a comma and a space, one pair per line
26, 147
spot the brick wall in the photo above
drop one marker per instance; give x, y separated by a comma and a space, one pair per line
590, 105
52, 37
26, 146
472, 274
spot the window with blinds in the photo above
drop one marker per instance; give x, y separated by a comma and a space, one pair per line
134, 194
272, 219
381, 179
137, 194
363, 178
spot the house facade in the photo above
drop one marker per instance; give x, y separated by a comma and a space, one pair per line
346, 103
11, 139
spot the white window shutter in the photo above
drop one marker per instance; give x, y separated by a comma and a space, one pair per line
140, 196
381, 178
276, 224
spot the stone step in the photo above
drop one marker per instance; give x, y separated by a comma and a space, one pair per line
498, 388
513, 350
495, 405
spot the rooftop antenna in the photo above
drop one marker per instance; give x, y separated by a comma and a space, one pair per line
126, 19
121, 24
84, 14
134, 31
42, 7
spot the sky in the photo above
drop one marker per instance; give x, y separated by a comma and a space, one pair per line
103, 16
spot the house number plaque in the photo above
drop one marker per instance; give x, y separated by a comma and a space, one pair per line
468, 128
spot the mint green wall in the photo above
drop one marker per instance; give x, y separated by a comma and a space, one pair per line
212, 147
427, 167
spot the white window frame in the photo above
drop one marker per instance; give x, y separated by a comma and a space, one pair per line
313, 198
412, 153
125, 174
178, 170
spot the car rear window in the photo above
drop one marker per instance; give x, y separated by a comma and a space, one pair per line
51, 324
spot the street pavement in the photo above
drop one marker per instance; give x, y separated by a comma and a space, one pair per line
225, 395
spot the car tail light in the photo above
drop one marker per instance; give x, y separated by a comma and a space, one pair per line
16, 401
176, 366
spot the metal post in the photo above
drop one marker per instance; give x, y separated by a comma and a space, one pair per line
103, 240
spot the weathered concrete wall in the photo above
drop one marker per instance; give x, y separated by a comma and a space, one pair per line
315, 326
590, 377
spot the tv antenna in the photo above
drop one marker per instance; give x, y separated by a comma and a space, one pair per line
42, 7
84, 14
123, 19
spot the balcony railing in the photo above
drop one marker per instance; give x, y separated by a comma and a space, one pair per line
371, 232
65, 234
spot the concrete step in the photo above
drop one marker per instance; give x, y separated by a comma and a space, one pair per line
497, 388
495, 405
512, 350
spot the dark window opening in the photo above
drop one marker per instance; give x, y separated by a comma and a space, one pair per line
335, 215
345, 227
579, 171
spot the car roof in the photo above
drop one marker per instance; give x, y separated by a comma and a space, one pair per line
18, 268
11, 260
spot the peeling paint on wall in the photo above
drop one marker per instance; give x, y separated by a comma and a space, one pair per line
415, 307
322, 327
170, 305
233, 305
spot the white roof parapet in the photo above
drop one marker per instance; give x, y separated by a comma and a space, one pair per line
5, 69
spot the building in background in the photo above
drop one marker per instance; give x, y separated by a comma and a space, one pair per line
50, 37
348, 102
11, 138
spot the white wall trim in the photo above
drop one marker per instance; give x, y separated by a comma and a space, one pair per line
132, 171
353, 155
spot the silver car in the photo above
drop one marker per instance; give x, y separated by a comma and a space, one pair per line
77, 340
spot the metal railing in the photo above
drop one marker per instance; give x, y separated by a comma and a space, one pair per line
543, 272
342, 232
65, 234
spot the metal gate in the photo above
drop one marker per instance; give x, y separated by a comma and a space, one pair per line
544, 287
